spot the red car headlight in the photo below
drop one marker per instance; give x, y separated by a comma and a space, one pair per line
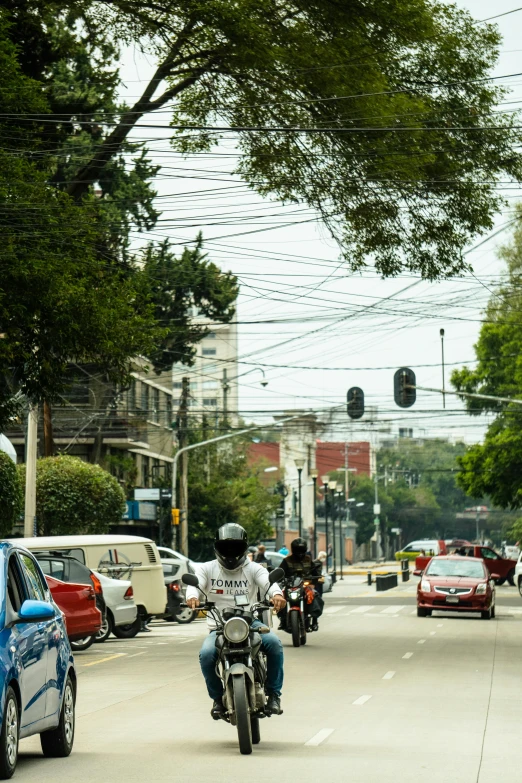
481, 588
425, 586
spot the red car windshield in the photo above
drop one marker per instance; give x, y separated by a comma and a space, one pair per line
470, 568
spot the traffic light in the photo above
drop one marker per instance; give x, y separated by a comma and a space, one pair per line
355, 402
403, 381
175, 516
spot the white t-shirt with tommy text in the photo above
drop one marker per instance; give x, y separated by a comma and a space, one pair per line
222, 585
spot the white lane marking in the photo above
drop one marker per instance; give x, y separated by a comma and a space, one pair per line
187, 677
319, 737
408, 655
432, 633
136, 655
161, 642
187, 641
421, 641
392, 609
361, 700
361, 609
332, 610
439, 625
389, 676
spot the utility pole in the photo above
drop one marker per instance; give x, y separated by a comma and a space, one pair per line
377, 511
183, 479
226, 387
48, 430
30, 472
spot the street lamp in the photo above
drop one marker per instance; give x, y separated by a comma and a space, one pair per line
300, 463
325, 480
314, 473
332, 486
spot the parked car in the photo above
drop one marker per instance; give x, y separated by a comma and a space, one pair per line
38, 678
68, 569
120, 557
173, 570
457, 584
83, 619
121, 609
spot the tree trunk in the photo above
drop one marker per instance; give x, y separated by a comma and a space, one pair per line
48, 430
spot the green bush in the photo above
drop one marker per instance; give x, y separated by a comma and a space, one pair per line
11, 495
406, 555
75, 497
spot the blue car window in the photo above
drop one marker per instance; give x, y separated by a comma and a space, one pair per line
15, 592
37, 592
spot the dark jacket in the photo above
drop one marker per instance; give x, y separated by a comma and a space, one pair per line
304, 567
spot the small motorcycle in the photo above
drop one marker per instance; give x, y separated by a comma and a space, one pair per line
241, 664
300, 594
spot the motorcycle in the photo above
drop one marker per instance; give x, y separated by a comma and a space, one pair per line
300, 594
241, 663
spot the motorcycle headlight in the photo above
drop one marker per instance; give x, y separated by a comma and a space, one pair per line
236, 629
425, 586
481, 588
294, 595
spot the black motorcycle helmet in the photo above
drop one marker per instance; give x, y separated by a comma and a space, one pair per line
298, 547
230, 546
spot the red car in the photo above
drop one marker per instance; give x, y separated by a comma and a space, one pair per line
457, 584
78, 604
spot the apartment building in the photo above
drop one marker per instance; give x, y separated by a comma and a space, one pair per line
213, 386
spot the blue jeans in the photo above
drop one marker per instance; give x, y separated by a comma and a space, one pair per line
271, 646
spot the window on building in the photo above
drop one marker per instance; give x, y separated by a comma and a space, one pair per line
209, 351
145, 397
145, 470
131, 397
177, 385
211, 335
168, 411
209, 385
155, 405
209, 401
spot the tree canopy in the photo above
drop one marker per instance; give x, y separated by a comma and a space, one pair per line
494, 467
381, 116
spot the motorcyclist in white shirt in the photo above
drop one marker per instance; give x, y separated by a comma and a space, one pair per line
230, 574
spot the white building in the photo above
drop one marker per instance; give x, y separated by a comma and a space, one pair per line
213, 387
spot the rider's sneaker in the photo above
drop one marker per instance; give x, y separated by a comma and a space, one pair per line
217, 709
273, 705
315, 625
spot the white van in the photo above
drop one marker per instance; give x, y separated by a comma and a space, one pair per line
120, 557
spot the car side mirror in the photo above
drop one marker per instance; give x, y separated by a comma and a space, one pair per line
190, 579
35, 612
495, 577
275, 575
418, 572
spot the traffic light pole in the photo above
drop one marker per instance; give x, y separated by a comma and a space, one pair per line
469, 394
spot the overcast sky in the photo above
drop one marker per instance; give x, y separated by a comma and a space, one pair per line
325, 319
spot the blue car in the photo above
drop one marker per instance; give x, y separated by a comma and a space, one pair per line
38, 678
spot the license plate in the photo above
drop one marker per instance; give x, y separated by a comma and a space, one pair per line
452, 599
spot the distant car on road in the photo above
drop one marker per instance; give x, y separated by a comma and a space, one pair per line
37, 674
121, 609
173, 571
456, 584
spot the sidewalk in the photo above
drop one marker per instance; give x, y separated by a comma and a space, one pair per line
361, 569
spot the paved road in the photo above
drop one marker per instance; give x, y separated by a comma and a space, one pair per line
377, 694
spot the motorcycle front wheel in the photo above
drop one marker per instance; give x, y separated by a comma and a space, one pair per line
256, 734
295, 627
244, 728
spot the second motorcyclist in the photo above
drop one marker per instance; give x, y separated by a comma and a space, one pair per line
299, 564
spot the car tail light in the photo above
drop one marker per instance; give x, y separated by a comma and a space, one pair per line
97, 584
175, 587
129, 593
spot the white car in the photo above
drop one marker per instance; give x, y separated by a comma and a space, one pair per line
518, 574
121, 609
171, 554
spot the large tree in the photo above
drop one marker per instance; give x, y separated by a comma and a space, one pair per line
494, 467
381, 116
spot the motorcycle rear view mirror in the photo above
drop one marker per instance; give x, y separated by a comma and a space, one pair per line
190, 579
276, 575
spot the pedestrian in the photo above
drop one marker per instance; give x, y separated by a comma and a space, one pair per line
329, 557
322, 559
261, 556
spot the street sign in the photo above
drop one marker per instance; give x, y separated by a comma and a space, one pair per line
147, 511
147, 494
396, 530
376, 509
